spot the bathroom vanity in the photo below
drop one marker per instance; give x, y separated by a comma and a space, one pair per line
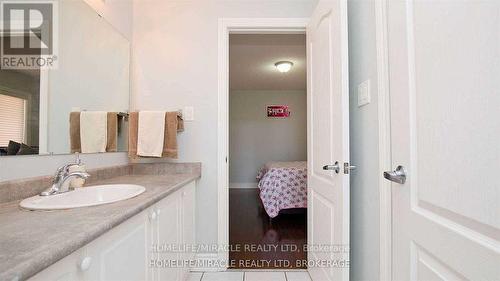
125, 240
128, 251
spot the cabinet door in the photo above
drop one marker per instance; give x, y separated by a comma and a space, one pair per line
168, 236
188, 223
123, 253
64, 270
188, 214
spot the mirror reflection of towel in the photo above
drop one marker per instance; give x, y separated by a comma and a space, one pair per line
112, 132
133, 122
93, 131
74, 132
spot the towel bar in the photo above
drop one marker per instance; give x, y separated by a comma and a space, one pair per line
125, 114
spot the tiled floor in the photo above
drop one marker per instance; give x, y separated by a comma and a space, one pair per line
250, 276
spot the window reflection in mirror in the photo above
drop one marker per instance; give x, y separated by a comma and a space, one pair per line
19, 111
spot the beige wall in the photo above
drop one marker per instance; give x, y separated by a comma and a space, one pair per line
255, 139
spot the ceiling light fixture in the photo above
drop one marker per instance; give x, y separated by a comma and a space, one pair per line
283, 66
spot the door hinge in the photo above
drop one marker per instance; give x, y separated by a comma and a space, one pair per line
348, 168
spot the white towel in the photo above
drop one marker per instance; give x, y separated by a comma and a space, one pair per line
151, 133
93, 131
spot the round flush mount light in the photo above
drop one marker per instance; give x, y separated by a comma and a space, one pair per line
283, 66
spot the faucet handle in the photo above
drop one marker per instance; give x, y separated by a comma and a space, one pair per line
78, 161
64, 169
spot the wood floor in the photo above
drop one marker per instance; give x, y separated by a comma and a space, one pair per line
260, 243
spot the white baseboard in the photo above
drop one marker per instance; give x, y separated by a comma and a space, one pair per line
242, 185
206, 259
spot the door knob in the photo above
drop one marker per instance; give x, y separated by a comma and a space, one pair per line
85, 263
398, 175
335, 167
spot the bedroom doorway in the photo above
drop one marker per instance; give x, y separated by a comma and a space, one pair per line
328, 164
267, 151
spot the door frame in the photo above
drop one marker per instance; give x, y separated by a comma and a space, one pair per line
384, 141
299, 25
237, 26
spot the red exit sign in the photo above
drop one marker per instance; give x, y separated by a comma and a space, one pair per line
278, 111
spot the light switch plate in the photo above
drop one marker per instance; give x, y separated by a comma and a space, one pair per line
188, 113
364, 95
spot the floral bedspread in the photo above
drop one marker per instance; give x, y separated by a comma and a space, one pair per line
283, 185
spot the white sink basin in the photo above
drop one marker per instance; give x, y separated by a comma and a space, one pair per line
83, 197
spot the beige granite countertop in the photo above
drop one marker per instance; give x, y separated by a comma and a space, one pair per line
30, 241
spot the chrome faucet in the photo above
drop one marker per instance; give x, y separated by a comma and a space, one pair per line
60, 183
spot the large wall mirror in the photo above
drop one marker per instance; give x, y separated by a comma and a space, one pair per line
41, 111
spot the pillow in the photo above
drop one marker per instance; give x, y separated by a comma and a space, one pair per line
13, 148
26, 150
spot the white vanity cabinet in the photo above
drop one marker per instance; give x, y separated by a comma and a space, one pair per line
120, 254
126, 251
168, 213
63, 270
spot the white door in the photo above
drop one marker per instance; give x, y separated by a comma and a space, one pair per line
328, 141
444, 61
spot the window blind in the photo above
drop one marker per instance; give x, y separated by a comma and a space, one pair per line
12, 119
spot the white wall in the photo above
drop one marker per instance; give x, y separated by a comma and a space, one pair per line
16, 167
175, 64
255, 139
364, 143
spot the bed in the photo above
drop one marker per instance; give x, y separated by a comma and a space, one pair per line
283, 185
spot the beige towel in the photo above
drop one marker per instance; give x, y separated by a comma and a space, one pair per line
74, 132
151, 133
133, 122
93, 131
112, 131
170, 140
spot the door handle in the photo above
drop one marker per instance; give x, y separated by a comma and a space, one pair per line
398, 175
335, 167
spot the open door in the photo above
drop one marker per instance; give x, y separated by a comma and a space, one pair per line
328, 142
